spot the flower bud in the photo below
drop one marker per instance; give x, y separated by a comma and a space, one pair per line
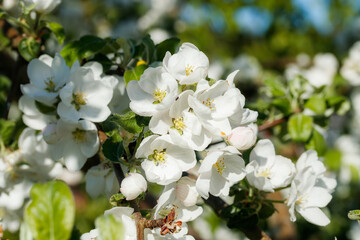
133, 185
242, 138
49, 134
186, 191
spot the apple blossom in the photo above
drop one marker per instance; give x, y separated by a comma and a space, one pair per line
188, 65
351, 66
47, 76
43, 6
219, 170
186, 191
267, 171
242, 137
133, 185
123, 214
101, 179
164, 161
92, 235
76, 142
182, 125
84, 97
154, 92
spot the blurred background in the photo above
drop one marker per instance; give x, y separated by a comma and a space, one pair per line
261, 38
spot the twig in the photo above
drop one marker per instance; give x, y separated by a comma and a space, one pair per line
142, 223
271, 124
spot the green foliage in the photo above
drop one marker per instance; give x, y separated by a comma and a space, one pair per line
170, 45
333, 160
135, 73
275, 87
300, 127
113, 149
317, 143
340, 104
116, 199
84, 48
51, 211
316, 103
109, 227
131, 122
25, 232
7, 128
354, 214
58, 31
29, 48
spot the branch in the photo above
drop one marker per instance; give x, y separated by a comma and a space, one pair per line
142, 223
270, 124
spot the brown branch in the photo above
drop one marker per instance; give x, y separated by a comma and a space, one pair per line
142, 223
270, 124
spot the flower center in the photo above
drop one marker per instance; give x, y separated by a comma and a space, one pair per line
78, 135
159, 95
209, 103
50, 85
79, 99
158, 157
189, 69
302, 199
179, 125
265, 173
220, 165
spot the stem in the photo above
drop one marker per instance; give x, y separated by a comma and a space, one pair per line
271, 124
274, 201
142, 223
138, 140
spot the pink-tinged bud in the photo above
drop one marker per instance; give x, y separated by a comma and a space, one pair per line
133, 185
49, 134
186, 191
242, 138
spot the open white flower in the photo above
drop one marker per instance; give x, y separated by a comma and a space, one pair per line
32, 117
155, 92
183, 126
215, 104
76, 143
188, 65
44, 6
267, 171
47, 76
84, 97
133, 185
101, 179
219, 170
351, 67
186, 191
164, 161
307, 199
123, 214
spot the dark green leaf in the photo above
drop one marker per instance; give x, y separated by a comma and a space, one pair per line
113, 149
316, 103
58, 30
149, 50
170, 45
4, 41
300, 127
134, 74
29, 48
128, 50
110, 228
86, 47
266, 211
283, 105
51, 212
317, 143
43, 108
340, 104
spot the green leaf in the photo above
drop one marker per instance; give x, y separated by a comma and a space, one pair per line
267, 209
340, 104
86, 47
29, 48
354, 214
129, 122
300, 127
51, 211
128, 50
135, 73
317, 143
316, 103
58, 30
4, 41
116, 199
43, 108
149, 50
170, 45
333, 160
25, 232
110, 228
113, 149
275, 87
7, 128
283, 105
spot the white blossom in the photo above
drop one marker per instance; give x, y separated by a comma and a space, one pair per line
123, 214
188, 65
92, 235
267, 171
133, 185
351, 67
47, 76
43, 6
164, 161
242, 137
186, 191
155, 92
219, 170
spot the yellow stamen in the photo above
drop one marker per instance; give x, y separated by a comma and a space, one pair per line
189, 69
209, 103
50, 85
158, 157
220, 166
78, 135
79, 99
266, 173
179, 125
141, 62
159, 95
